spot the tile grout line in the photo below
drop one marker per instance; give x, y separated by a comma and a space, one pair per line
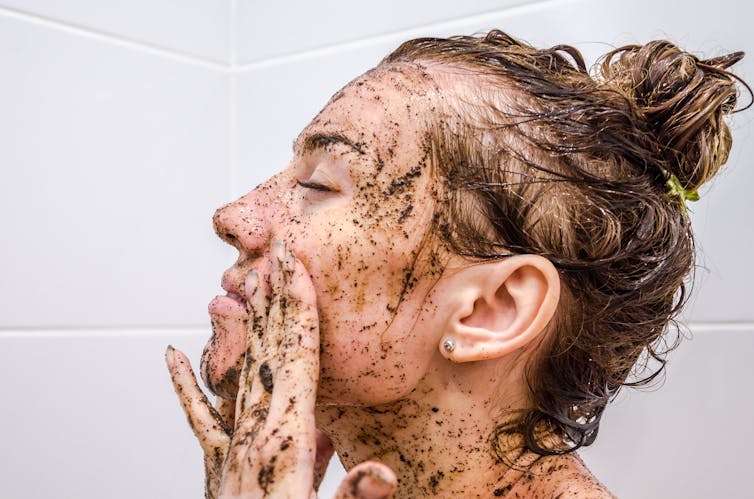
117, 40
234, 67
107, 332
708, 326
393, 36
232, 98
110, 331
232, 136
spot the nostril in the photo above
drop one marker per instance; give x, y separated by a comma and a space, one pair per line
229, 237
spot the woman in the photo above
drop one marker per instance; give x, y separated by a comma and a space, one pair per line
473, 245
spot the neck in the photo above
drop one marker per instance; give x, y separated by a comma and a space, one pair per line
440, 439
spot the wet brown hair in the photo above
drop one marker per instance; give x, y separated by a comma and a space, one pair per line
540, 156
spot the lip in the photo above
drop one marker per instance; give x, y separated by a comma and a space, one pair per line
228, 306
233, 282
233, 303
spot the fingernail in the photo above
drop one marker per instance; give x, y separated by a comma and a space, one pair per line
380, 476
290, 261
277, 253
252, 279
169, 353
374, 484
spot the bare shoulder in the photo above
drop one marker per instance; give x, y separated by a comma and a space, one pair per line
561, 477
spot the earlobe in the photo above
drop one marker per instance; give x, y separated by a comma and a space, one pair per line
499, 307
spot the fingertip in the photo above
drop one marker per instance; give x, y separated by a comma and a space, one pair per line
278, 251
277, 255
369, 480
177, 360
379, 482
169, 354
290, 262
251, 283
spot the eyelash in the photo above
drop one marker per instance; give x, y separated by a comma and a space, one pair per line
315, 186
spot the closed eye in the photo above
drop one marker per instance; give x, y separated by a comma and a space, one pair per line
314, 185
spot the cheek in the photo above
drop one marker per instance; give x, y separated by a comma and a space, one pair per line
377, 353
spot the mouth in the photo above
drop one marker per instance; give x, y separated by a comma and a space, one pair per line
223, 353
235, 296
233, 303
233, 283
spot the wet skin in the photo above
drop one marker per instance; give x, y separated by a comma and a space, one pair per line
264, 444
354, 207
363, 241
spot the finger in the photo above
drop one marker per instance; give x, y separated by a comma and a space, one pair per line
282, 438
368, 480
226, 408
280, 271
250, 393
212, 477
325, 451
250, 284
292, 349
293, 328
208, 426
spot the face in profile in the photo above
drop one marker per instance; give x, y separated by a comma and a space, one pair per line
354, 205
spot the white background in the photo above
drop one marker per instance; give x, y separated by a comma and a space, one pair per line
123, 125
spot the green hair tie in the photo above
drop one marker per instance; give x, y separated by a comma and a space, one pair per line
676, 189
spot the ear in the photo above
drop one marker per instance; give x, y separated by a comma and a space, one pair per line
499, 307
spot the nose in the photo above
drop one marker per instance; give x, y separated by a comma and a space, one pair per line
247, 222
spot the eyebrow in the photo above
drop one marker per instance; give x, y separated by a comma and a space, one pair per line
316, 141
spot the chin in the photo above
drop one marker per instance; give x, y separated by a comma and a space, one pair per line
222, 360
220, 380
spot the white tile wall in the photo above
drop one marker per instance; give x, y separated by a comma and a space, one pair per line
275, 103
690, 438
195, 27
268, 29
92, 414
113, 162
122, 133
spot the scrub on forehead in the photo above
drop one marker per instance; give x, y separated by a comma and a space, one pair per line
355, 206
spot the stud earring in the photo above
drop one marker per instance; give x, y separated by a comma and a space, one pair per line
449, 345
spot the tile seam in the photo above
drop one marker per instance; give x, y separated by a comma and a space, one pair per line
393, 36
101, 332
113, 39
150, 329
233, 66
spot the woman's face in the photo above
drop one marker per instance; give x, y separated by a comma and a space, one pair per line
355, 206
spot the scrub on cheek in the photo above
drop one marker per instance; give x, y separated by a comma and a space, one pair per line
381, 244
355, 205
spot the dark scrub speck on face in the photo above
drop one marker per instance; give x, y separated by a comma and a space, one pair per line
346, 207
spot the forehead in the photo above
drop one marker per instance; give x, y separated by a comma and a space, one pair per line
385, 107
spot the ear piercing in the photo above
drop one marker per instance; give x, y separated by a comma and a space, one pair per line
449, 345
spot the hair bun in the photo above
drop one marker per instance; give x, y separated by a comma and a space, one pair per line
683, 100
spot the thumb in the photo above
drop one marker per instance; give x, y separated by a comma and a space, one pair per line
368, 480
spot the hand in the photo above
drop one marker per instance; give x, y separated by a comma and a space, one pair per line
266, 444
